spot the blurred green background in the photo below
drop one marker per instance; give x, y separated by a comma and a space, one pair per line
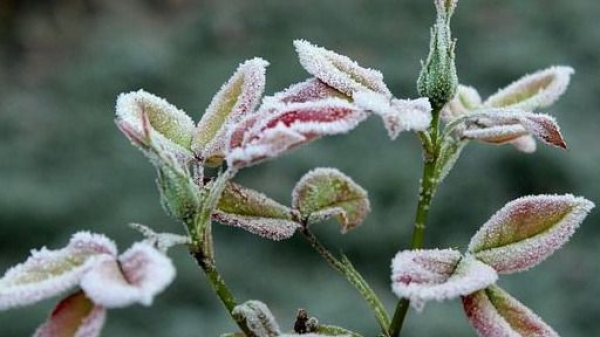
65, 167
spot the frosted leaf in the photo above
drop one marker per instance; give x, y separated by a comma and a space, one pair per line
492, 312
161, 241
236, 99
397, 115
524, 144
253, 211
501, 126
75, 316
47, 273
144, 118
280, 127
537, 90
466, 99
339, 71
327, 192
139, 274
310, 90
425, 275
528, 230
258, 318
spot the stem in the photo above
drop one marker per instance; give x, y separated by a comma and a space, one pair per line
429, 184
345, 268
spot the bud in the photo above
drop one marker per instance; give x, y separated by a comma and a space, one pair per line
179, 195
437, 80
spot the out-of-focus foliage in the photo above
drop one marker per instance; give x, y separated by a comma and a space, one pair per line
65, 167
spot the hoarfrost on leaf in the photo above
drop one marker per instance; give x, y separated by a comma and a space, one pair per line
492, 312
258, 318
339, 71
528, 230
238, 97
75, 316
327, 192
312, 89
425, 275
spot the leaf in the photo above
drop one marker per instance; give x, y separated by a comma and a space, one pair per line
258, 318
280, 127
538, 90
47, 273
528, 230
312, 89
160, 241
137, 276
466, 99
425, 275
327, 192
75, 316
397, 115
501, 126
493, 312
339, 71
253, 211
236, 99
167, 127
179, 194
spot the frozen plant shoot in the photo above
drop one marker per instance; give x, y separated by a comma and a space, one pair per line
197, 162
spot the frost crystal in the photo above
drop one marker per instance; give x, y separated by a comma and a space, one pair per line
538, 90
326, 192
424, 275
397, 115
75, 316
312, 89
339, 71
278, 127
492, 312
236, 99
259, 318
528, 230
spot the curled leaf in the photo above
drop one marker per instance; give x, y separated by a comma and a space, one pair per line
528, 230
493, 312
279, 127
258, 318
75, 316
253, 211
537, 90
397, 115
327, 192
424, 275
47, 273
136, 277
237, 98
148, 120
339, 71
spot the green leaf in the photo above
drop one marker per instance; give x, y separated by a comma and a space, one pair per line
327, 192
254, 212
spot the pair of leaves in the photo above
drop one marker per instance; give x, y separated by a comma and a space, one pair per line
89, 262
506, 116
519, 236
320, 194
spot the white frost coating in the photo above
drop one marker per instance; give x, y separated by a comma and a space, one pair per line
68, 320
467, 98
281, 127
268, 228
47, 273
494, 313
528, 230
231, 103
397, 115
170, 129
496, 134
538, 90
339, 71
524, 144
310, 90
161, 241
424, 275
140, 273
259, 318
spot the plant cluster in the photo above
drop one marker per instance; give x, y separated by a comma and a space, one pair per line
196, 164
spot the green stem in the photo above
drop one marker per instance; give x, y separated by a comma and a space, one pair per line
345, 268
429, 184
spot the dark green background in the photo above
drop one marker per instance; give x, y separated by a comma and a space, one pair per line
64, 166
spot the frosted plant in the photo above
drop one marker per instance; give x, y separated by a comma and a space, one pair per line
241, 127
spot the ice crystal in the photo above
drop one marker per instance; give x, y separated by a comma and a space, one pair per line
492, 312
528, 230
